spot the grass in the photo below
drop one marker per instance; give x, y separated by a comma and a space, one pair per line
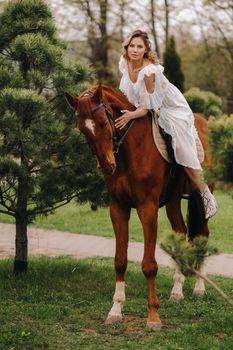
62, 304
80, 219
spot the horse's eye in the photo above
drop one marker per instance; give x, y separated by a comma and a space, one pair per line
103, 125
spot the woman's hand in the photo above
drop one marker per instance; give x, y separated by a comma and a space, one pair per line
122, 121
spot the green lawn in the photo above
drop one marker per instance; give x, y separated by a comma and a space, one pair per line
61, 304
80, 219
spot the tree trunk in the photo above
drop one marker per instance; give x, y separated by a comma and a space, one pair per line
122, 19
103, 43
21, 241
167, 24
21, 245
153, 26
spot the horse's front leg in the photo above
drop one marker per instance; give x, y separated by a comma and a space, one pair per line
148, 216
120, 219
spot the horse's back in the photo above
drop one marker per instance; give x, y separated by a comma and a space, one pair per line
201, 126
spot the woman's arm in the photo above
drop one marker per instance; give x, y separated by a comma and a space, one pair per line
149, 81
139, 112
128, 115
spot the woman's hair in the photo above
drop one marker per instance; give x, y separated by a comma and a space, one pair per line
149, 54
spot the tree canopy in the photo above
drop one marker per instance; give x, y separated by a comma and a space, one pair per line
44, 161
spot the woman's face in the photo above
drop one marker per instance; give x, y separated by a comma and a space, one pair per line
136, 49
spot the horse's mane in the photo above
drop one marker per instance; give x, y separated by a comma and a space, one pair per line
112, 95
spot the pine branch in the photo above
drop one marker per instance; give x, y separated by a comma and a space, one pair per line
37, 169
214, 286
190, 256
6, 55
7, 212
52, 208
7, 207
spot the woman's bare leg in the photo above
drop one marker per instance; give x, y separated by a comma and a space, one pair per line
196, 176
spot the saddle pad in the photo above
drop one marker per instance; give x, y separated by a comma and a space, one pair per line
161, 145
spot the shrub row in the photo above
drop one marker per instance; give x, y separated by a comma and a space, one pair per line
221, 145
203, 102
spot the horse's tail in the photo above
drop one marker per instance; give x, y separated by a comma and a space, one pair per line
196, 221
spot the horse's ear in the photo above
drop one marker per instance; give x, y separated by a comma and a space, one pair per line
72, 100
98, 95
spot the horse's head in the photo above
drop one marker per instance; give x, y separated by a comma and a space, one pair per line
93, 121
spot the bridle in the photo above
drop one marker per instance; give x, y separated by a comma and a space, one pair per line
116, 143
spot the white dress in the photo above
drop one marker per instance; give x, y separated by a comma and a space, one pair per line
175, 115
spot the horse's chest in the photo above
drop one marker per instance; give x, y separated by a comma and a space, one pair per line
129, 189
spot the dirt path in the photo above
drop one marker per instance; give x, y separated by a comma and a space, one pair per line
55, 243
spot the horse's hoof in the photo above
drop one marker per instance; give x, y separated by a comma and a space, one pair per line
176, 297
199, 293
154, 326
112, 319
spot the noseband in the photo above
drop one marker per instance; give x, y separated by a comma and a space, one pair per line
116, 143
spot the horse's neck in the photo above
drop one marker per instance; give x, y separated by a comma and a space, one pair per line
139, 136
142, 126
117, 103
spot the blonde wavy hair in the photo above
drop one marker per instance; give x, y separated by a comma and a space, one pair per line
149, 54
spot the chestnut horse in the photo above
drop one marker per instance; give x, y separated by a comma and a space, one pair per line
135, 174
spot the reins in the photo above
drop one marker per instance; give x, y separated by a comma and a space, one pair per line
116, 143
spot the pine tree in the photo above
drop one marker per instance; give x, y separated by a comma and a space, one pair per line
44, 162
172, 65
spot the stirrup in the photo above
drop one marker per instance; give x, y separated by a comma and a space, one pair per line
210, 204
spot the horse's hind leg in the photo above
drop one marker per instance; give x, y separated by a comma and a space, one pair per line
199, 289
175, 217
120, 219
148, 216
198, 226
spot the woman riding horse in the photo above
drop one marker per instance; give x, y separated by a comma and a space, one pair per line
135, 172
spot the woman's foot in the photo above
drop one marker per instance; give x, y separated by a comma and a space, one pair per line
210, 204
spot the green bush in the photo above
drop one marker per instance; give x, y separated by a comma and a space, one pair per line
204, 102
221, 143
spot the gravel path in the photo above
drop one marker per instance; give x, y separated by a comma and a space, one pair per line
55, 243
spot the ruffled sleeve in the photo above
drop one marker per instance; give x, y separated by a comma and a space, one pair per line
152, 100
